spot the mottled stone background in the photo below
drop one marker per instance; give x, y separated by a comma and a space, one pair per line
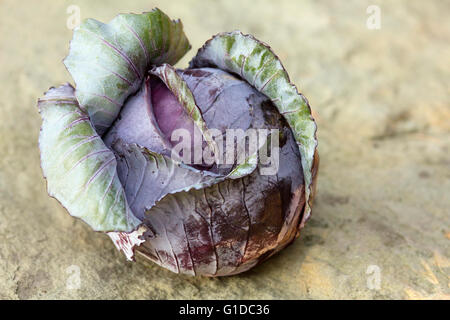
381, 100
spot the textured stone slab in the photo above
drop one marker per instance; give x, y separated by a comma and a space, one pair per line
381, 101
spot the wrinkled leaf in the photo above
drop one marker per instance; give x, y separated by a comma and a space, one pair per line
217, 230
108, 62
148, 176
230, 226
227, 102
80, 169
255, 62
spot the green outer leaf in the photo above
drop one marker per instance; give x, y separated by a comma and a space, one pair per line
109, 61
180, 89
255, 62
80, 169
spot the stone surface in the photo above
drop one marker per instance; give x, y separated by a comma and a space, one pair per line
381, 101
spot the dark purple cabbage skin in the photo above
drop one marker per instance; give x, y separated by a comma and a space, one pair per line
229, 227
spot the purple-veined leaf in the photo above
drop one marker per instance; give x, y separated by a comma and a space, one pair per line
230, 226
148, 176
79, 168
108, 62
255, 62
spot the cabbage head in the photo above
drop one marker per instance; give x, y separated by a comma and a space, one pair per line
207, 170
